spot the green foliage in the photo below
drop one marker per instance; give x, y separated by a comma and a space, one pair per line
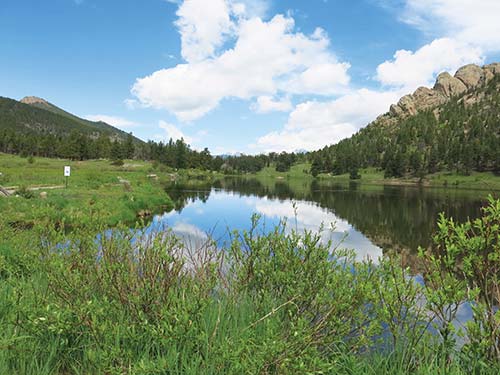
24, 192
179, 155
284, 161
354, 174
463, 266
316, 167
118, 163
96, 190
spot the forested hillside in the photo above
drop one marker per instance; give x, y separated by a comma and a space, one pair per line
99, 125
459, 133
34, 127
41, 129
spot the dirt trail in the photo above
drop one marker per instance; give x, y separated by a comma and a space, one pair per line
10, 190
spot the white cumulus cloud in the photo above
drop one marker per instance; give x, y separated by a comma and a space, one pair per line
250, 8
313, 125
412, 69
463, 32
116, 121
266, 58
203, 26
468, 21
266, 104
171, 132
321, 79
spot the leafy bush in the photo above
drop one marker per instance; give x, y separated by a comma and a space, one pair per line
354, 174
24, 192
118, 163
463, 266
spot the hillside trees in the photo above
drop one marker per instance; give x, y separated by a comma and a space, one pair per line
459, 138
285, 161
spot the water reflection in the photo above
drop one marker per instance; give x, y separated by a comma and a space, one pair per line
374, 218
222, 212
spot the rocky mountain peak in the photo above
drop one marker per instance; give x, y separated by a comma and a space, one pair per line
467, 78
33, 100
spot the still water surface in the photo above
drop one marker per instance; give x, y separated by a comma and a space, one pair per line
369, 219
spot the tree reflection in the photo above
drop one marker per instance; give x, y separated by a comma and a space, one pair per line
394, 218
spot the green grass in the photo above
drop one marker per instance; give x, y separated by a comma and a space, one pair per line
44, 171
96, 190
296, 171
368, 176
372, 176
476, 180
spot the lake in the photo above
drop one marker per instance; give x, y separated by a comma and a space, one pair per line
369, 219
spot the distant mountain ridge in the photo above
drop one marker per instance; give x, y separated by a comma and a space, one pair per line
36, 115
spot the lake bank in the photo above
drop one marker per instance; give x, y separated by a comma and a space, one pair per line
135, 189
486, 181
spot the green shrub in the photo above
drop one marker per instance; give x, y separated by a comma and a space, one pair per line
24, 192
463, 266
118, 163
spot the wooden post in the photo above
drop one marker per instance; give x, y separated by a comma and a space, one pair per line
67, 173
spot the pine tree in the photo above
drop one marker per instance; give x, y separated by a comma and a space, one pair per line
316, 166
129, 148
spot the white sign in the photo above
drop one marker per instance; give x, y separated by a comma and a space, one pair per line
67, 171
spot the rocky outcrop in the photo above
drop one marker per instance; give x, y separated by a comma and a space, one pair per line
33, 100
471, 75
492, 69
423, 98
446, 87
4, 192
406, 105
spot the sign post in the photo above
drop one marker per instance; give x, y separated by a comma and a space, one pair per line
67, 173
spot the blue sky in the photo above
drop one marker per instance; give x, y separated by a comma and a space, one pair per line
238, 75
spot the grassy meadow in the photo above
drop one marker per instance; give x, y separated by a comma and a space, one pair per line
96, 189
